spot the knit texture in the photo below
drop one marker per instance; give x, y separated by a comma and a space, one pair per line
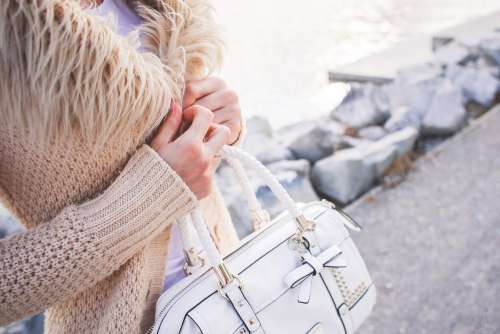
78, 104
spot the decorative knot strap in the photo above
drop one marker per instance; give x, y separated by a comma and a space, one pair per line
312, 266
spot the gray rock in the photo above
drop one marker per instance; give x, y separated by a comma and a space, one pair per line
478, 86
316, 144
416, 74
259, 135
343, 176
402, 117
379, 156
8, 225
403, 140
491, 48
275, 152
483, 64
415, 96
289, 133
292, 174
350, 142
373, 132
32, 325
453, 53
257, 124
298, 166
446, 113
364, 105
348, 173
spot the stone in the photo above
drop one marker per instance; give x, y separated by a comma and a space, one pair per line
259, 135
365, 105
379, 156
8, 225
416, 74
289, 133
294, 177
483, 64
299, 166
350, 142
349, 173
316, 144
292, 174
343, 176
402, 117
403, 140
478, 86
373, 132
257, 124
446, 114
274, 152
491, 48
452, 53
416, 96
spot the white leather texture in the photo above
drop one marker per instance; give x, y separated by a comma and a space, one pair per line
328, 290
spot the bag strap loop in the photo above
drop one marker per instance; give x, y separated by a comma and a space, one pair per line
234, 156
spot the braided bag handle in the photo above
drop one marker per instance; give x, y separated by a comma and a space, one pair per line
233, 156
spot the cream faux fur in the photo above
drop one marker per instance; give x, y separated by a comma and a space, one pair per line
67, 71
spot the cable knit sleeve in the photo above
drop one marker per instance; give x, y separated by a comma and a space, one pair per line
87, 242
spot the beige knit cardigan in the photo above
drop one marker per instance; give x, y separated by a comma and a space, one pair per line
77, 105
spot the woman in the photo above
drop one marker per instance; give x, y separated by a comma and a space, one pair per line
79, 104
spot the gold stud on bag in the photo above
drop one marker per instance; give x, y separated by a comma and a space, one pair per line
301, 273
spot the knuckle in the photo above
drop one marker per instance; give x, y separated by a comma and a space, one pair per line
206, 180
190, 89
206, 113
219, 81
192, 150
203, 164
231, 95
226, 132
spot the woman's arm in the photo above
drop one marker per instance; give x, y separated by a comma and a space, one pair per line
87, 242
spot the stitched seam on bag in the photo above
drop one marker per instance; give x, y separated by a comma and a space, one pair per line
361, 297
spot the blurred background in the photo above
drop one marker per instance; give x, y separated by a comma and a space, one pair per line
387, 108
279, 52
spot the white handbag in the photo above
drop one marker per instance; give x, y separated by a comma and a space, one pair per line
300, 273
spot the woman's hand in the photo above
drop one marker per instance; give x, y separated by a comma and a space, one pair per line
213, 94
193, 153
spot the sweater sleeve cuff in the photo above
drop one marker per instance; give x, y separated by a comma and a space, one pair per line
146, 197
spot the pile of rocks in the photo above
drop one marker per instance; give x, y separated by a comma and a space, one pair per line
342, 155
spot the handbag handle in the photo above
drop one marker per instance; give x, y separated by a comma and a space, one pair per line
232, 154
260, 218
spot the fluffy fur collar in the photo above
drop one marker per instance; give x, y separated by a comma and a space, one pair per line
65, 73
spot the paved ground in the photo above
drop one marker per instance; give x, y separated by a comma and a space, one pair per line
432, 243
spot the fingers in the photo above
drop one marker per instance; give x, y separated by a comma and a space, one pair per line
219, 99
169, 127
219, 136
199, 88
202, 119
204, 183
227, 113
